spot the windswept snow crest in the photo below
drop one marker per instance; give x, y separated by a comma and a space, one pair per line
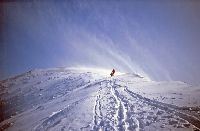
63, 99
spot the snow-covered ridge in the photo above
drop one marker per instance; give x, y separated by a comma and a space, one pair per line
89, 99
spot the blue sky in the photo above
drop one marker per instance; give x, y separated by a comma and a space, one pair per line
157, 39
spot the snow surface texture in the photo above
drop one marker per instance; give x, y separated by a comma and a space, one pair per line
64, 99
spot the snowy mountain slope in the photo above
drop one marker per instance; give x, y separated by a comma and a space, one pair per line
88, 99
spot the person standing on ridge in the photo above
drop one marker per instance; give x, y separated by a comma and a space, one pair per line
112, 73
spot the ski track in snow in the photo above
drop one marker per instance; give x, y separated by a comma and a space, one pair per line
105, 105
128, 113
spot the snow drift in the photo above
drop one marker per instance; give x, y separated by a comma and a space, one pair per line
88, 99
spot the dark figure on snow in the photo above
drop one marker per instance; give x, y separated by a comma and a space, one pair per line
112, 73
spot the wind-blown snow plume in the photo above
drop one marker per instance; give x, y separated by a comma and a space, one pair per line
154, 39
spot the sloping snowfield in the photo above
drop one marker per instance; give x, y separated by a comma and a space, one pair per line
68, 99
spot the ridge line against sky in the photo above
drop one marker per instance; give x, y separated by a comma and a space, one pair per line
156, 39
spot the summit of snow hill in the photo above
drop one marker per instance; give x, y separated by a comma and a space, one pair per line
63, 99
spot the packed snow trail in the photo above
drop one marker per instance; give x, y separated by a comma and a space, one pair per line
178, 116
134, 112
74, 100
